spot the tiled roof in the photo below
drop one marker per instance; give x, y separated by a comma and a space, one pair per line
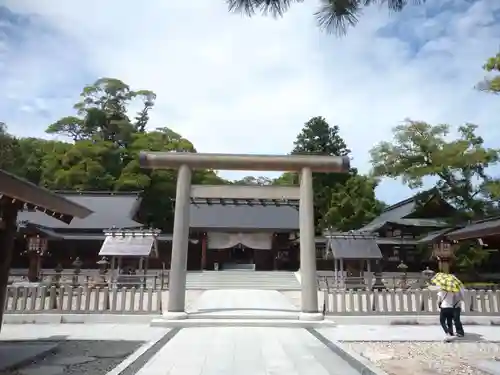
391, 213
109, 210
399, 211
434, 236
243, 217
127, 246
354, 247
482, 228
42, 201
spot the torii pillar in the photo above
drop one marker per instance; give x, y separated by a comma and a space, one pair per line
186, 162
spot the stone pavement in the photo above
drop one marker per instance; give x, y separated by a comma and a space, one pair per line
213, 350
246, 351
241, 350
114, 332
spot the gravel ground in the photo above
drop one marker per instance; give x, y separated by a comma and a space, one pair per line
105, 355
427, 358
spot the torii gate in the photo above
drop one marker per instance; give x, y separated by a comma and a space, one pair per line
186, 162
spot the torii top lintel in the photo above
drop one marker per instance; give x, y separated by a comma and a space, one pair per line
278, 163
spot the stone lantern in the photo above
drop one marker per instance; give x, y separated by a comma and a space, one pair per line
443, 252
427, 276
403, 268
77, 265
57, 278
55, 282
103, 268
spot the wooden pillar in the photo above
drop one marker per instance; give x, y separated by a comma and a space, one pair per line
111, 272
8, 214
342, 278
204, 244
274, 252
336, 272
119, 267
368, 274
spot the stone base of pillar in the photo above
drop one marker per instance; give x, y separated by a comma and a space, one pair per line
175, 315
311, 317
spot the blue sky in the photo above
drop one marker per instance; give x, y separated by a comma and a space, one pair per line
238, 85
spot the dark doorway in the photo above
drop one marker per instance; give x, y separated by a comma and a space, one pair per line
241, 255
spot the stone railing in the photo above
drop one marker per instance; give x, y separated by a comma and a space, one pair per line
83, 300
405, 302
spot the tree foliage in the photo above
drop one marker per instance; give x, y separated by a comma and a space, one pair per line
334, 16
341, 201
421, 150
491, 83
102, 154
352, 204
254, 181
8, 150
104, 141
469, 256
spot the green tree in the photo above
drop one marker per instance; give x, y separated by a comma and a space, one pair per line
158, 186
469, 256
287, 178
71, 127
252, 180
82, 166
24, 156
103, 154
9, 151
491, 83
332, 190
103, 113
352, 204
421, 150
317, 137
332, 15
33, 153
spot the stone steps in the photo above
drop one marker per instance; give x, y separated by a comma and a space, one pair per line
242, 279
275, 323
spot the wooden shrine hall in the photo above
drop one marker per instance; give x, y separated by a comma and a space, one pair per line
245, 227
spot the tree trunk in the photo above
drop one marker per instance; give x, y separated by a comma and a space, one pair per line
7, 236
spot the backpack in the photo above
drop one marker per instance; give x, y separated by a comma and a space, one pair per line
456, 300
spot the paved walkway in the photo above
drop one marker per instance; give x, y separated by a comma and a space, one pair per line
118, 332
216, 350
246, 351
241, 350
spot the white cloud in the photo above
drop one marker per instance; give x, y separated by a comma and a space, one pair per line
239, 85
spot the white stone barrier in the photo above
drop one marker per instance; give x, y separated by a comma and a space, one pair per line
82, 300
405, 302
